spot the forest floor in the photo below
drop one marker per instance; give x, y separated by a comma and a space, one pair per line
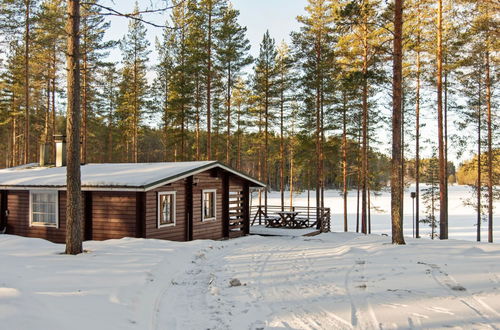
329, 281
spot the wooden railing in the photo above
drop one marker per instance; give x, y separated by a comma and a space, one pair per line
312, 216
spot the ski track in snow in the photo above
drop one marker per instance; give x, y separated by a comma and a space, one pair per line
455, 289
330, 281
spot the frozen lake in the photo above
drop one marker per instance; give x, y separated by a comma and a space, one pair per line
462, 219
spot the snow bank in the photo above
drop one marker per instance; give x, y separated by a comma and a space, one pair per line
329, 281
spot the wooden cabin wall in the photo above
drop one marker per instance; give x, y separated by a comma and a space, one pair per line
113, 214
173, 233
211, 229
18, 221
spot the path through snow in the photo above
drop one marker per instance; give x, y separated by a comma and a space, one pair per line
330, 281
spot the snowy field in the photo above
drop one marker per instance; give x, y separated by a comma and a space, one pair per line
462, 220
329, 281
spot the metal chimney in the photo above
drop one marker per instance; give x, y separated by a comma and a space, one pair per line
60, 141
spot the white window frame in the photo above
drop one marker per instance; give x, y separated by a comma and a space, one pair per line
164, 193
44, 224
203, 204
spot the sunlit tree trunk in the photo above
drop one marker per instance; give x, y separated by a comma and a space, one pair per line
443, 220
74, 221
27, 43
397, 85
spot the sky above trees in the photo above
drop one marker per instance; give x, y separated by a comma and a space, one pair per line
279, 17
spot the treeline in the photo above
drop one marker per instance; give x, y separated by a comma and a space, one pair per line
310, 114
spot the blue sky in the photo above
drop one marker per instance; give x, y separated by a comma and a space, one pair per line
279, 16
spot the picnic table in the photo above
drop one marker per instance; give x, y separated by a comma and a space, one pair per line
289, 219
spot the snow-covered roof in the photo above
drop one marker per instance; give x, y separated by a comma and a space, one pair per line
119, 176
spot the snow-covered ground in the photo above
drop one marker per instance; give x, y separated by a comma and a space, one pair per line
329, 281
462, 219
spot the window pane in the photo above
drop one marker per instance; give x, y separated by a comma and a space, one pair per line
166, 209
44, 207
209, 205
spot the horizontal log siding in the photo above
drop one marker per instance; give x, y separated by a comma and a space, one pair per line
236, 226
113, 215
173, 233
211, 229
18, 222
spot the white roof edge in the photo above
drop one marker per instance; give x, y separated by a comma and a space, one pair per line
202, 169
143, 188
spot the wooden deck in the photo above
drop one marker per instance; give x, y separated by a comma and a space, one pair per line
306, 217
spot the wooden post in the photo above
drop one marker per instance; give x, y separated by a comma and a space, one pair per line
225, 204
87, 217
3, 209
246, 209
189, 209
140, 215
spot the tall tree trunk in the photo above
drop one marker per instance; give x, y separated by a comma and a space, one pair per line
344, 157
443, 220
84, 107
490, 151
53, 119
110, 133
282, 145
397, 86
358, 188
445, 139
46, 119
74, 225
228, 133
27, 42
209, 84
318, 132
417, 144
135, 114
478, 187
84, 73
198, 119
266, 142
238, 143
364, 153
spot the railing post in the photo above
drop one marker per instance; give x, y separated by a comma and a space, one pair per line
260, 215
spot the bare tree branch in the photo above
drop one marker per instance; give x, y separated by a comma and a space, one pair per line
134, 15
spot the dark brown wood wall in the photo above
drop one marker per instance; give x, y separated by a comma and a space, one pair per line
173, 233
18, 222
211, 229
113, 214
3, 208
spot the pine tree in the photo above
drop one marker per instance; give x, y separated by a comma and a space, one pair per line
211, 11
48, 40
232, 48
315, 56
431, 193
108, 103
133, 85
265, 78
284, 63
93, 51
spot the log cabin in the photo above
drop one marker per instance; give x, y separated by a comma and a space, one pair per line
179, 201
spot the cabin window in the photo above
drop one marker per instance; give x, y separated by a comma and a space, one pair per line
44, 208
166, 209
209, 204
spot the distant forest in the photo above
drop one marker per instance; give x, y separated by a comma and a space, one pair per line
314, 113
